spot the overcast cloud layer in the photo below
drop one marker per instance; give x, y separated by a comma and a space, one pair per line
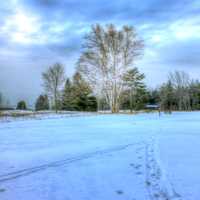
37, 33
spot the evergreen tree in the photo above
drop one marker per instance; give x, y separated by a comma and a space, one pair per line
141, 98
21, 105
68, 96
42, 103
194, 92
167, 97
92, 103
82, 95
153, 96
134, 82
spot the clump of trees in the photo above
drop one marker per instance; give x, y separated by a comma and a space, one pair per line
108, 55
105, 72
179, 93
106, 78
21, 105
66, 94
77, 95
194, 93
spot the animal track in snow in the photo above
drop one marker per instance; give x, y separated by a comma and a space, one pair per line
156, 182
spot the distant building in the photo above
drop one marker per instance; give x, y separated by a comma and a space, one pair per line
152, 106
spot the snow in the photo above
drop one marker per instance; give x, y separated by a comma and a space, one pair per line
97, 157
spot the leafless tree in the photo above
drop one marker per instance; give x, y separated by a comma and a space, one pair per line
53, 80
181, 81
107, 55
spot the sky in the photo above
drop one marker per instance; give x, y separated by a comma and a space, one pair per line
35, 34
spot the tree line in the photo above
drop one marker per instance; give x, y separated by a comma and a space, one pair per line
106, 77
76, 94
68, 94
180, 93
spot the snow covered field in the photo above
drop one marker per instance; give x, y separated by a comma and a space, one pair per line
104, 157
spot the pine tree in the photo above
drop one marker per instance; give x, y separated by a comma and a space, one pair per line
141, 97
153, 96
42, 103
167, 97
83, 100
92, 103
194, 92
68, 96
134, 82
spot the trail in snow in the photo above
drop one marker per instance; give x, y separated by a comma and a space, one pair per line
158, 186
27, 171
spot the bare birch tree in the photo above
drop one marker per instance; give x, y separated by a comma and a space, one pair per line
53, 80
181, 81
107, 55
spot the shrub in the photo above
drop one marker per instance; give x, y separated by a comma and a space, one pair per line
21, 105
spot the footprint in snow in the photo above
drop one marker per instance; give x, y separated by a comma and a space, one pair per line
148, 166
132, 164
138, 173
138, 166
2, 190
156, 195
119, 192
